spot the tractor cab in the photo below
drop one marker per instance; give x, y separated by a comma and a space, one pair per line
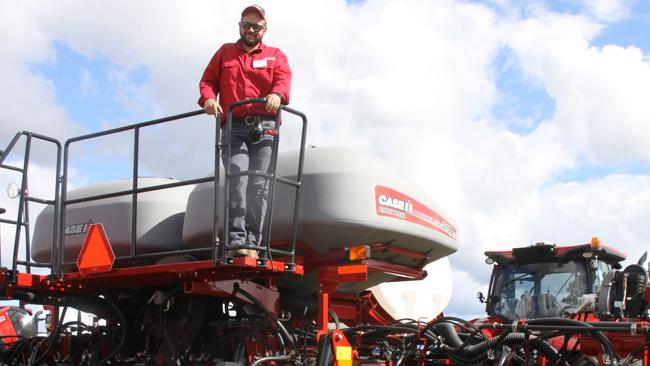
545, 280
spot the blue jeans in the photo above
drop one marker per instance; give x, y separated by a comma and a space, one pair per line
248, 194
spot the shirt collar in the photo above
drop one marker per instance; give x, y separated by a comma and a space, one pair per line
240, 45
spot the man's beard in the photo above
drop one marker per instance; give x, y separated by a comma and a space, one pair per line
251, 42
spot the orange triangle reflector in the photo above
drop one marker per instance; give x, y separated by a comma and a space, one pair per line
96, 254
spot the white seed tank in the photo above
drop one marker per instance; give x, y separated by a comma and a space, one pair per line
348, 198
421, 300
159, 224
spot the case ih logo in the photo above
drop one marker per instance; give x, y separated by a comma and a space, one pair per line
77, 228
395, 204
387, 201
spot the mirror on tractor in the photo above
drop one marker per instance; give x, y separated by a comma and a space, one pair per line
480, 297
12, 190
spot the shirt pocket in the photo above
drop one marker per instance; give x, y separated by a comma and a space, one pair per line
229, 70
262, 76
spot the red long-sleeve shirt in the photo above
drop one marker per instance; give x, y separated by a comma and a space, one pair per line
235, 74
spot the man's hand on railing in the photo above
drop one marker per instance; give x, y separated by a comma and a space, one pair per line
273, 102
212, 107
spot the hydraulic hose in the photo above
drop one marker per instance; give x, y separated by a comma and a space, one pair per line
455, 321
304, 305
283, 331
593, 331
163, 324
119, 313
53, 337
335, 318
464, 352
448, 332
474, 349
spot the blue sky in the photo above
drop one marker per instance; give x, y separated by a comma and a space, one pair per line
83, 86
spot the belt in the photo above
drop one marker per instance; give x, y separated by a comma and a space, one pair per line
252, 120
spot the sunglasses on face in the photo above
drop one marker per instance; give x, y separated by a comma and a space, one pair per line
246, 25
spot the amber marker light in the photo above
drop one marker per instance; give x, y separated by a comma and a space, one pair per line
595, 246
595, 243
358, 252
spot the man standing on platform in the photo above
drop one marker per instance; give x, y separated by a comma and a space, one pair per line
247, 69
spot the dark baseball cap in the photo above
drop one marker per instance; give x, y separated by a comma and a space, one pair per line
254, 8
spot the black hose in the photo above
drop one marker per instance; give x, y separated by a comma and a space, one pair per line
271, 315
471, 354
334, 317
163, 322
325, 352
17, 348
119, 313
449, 333
462, 323
594, 332
409, 350
473, 349
53, 337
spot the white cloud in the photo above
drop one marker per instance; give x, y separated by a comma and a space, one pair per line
614, 208
530, 38
601, 97
27, 100
600, 93
608, 10
41, 185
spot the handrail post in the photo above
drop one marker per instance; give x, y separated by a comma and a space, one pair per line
56, 240
134, 196
271, 182
2, 211
21, 203
298, 194
216, 248
58, 259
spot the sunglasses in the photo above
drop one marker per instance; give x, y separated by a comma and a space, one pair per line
246, 25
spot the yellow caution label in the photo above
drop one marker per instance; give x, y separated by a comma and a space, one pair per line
344, 353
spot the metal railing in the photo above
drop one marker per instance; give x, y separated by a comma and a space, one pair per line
58, 263
272, 179
22, 216
219, 251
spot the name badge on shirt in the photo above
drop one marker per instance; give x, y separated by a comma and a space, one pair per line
259, 64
